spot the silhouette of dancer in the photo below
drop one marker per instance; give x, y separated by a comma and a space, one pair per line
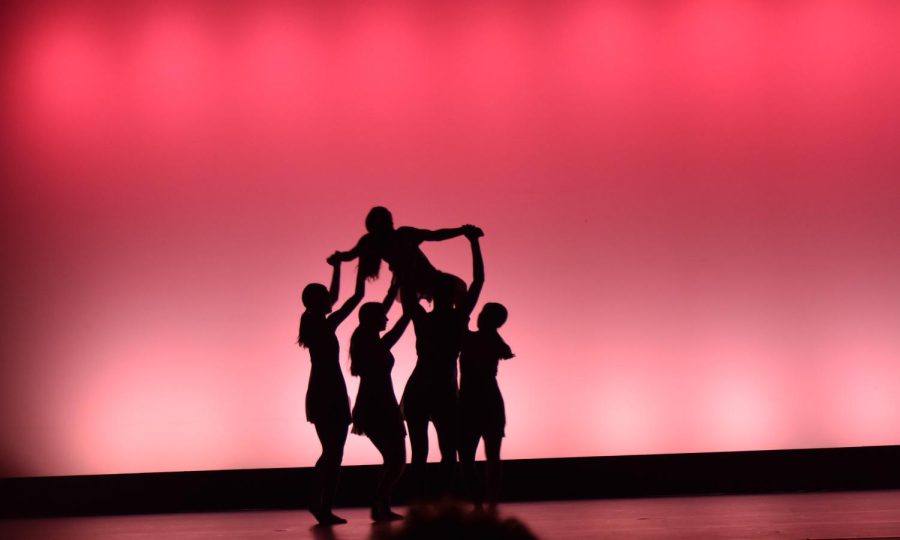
481, 411
327, 404
431, 392
376, 413
400, 248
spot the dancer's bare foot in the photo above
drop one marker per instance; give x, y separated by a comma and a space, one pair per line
336, 520
326, 517
381, 515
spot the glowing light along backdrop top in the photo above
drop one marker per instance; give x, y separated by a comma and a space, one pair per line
691, 211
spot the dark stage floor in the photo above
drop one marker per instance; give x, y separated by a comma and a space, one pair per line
874, 514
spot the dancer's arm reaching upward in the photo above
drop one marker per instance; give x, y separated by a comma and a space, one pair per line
473, 234
335, 288
391, 294
411, 306
337, 317
393, 335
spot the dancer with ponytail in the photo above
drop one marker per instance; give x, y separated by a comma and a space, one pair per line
327, 404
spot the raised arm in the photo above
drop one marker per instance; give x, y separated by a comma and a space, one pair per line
393, 335
391, 294
337, 317
477, 272
335, 289
411, 305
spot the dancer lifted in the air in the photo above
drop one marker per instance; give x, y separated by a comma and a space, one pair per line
399, 247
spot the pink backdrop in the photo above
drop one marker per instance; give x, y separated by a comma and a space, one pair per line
692, 212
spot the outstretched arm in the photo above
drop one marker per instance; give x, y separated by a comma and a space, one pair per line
477, 274
441, 234
393, 335
447, 234
337, 317
345, 256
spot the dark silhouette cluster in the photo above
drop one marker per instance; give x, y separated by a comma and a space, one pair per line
453, 384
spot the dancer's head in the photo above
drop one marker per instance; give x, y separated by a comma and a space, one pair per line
317, 302
379, 220
372, 316
449, 291
316, 299
492, 316
372, 319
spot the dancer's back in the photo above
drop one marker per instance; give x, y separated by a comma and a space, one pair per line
326, 396
439, 336
479, 359
376, 405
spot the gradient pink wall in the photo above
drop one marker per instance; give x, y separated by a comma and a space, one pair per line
692, 211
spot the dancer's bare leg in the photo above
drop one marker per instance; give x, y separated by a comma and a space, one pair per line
492, 453
446, 426
393, 450
468, 445
327, 472
418, 441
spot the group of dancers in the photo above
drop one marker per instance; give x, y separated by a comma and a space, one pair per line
463, 412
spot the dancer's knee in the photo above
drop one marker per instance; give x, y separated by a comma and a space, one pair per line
448, 454
448, 450
419, 456
392, 449
394, 467
418, 440
394, 452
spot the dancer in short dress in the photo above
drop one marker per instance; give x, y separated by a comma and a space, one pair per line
481, 410
376, 413
431, 392
327, 404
